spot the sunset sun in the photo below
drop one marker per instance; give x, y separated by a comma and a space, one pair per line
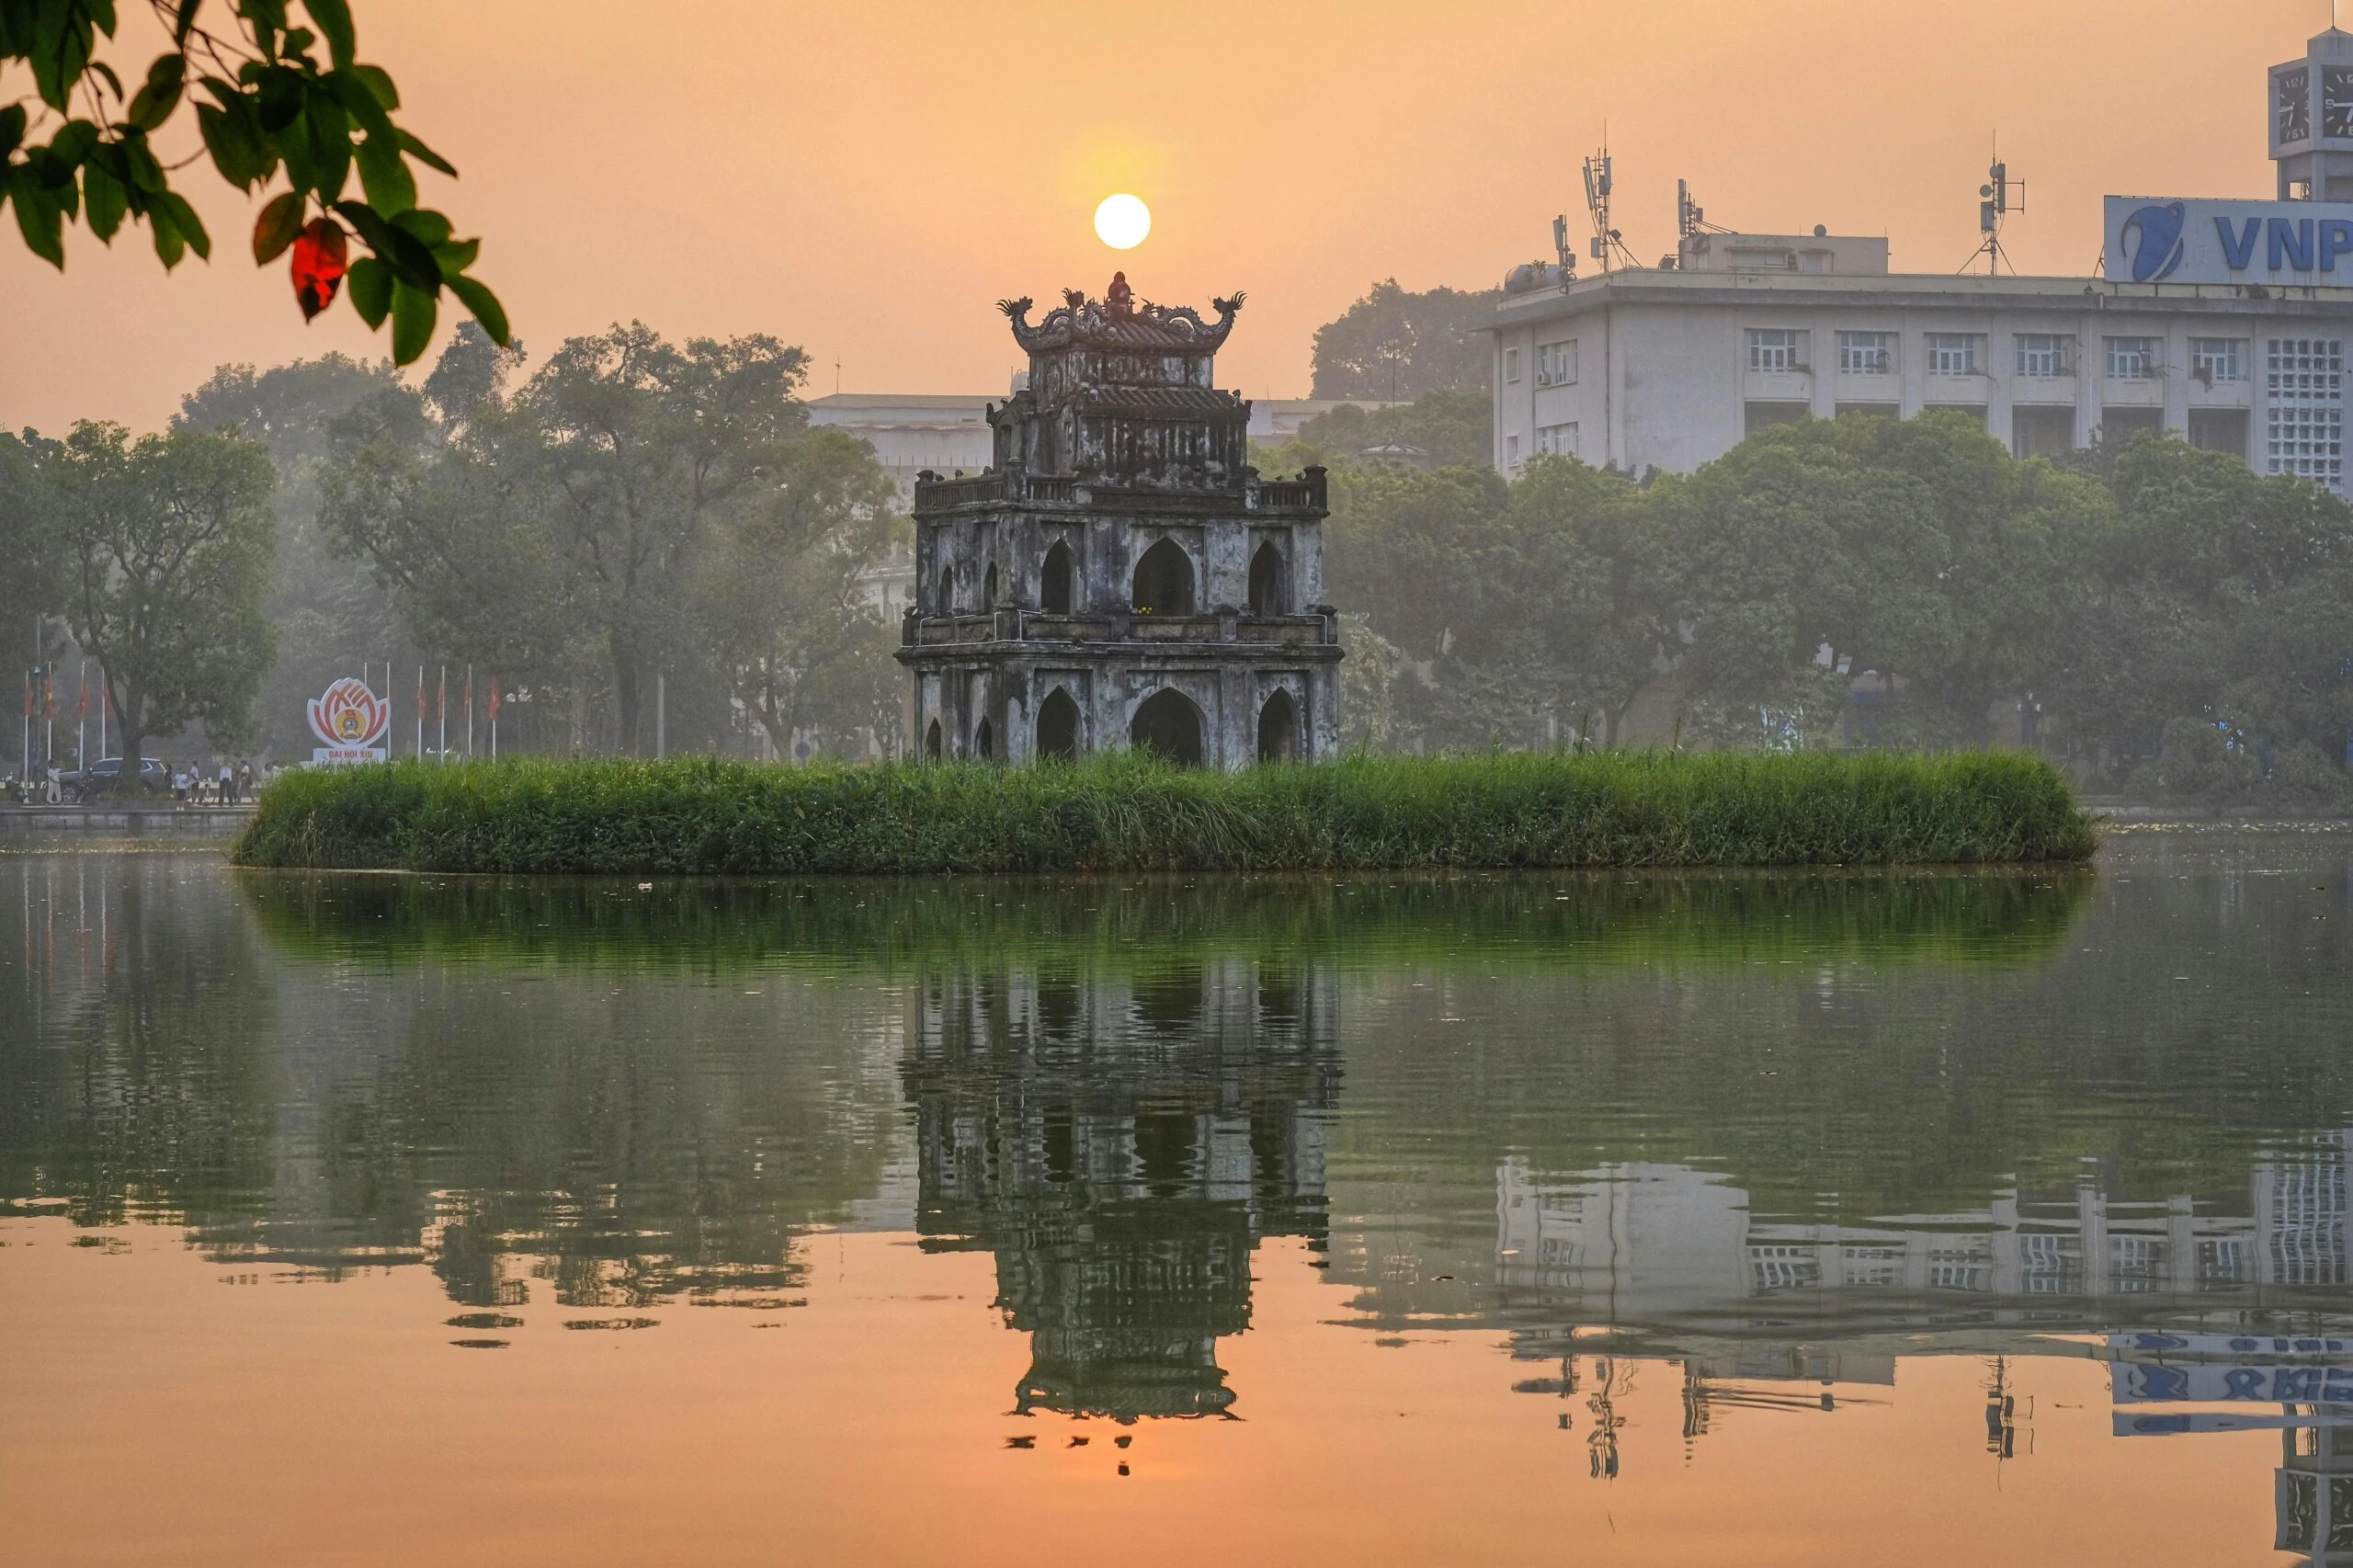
1122, 222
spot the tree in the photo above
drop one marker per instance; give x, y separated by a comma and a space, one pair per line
1393, 346
332, 616
783, 603
283, 95
646, 447
167, 543
31, 577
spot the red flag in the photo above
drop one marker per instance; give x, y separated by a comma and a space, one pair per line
441, 696
494, 699
420, 692
50, 699
470, 704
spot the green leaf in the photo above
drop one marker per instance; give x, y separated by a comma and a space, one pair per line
100, 68
413, 314
153, 103
280, 99
232, 134
169, 244
384, 175
426, 155
455, 257
12, 129
106, 200
370, 283
485, 308
333, 19
39, 219
359, 101
426, 224
185, 23
276, 228
410, 258
183, 218
380, 82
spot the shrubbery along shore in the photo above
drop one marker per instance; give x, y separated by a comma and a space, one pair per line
706, 816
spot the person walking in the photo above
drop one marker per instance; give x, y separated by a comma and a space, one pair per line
246, 781
179, 785
228, 783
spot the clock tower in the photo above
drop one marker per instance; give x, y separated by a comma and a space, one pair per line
2311, 116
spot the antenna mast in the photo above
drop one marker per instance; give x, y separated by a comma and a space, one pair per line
1608, 242
1998, 198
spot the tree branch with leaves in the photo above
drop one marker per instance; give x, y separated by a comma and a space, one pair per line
270, 96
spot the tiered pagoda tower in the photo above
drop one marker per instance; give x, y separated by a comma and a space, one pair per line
1120, 575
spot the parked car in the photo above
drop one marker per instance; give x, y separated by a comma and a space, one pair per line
101, 775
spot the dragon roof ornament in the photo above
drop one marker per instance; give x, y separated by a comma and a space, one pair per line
1118, 322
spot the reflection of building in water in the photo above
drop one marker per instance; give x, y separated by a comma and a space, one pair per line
1121, 1146
2313, 1495
1672, 1259
1659, 1244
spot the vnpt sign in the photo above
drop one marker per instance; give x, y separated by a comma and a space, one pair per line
2301, 242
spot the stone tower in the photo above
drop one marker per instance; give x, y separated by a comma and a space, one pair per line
1121, 575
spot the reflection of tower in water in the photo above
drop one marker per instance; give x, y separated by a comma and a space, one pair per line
1121, 1145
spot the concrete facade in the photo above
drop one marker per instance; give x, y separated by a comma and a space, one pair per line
1120, 574
1672, 368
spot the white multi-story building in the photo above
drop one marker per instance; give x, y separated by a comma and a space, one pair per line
2223, 322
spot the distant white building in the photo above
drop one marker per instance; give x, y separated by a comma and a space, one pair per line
2224, 321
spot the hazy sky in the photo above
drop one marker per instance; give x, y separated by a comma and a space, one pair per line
867, 180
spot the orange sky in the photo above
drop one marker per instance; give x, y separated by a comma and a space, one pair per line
866, 179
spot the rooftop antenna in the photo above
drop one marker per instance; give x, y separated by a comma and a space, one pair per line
1608, 243
1690, 218
1998, 198
837, 375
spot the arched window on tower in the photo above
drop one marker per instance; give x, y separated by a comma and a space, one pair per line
947, 604
988, 588
1055, 581
1266, 595
1058, 726
1167, 725
1278, 729
931, 742
1164, 584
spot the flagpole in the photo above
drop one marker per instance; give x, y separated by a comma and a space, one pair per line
82, 725
419, 752
441, 715
469, 712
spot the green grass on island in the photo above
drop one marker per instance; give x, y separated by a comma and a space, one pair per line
706, 816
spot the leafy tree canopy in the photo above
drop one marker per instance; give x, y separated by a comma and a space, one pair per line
1392, 346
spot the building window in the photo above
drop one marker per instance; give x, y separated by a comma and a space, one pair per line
1558, 439
1511, 364
2304, 425
2044, 355
1775, 348
1511, 451
1556, 364
2131, 358
1867, 353
2215, 359
1956, 354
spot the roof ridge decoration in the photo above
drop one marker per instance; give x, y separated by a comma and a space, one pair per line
1116, 321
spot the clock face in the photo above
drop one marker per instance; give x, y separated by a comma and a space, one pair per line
2293, 103
2337, 102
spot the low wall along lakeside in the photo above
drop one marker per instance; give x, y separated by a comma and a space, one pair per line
1124, 812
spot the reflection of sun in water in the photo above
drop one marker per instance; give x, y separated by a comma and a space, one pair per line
1122, 222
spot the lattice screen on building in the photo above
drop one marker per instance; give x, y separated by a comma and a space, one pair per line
2305, 417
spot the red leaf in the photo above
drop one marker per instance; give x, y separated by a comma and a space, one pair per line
320, 253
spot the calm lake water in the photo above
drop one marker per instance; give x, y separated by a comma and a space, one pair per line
1869, 1218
